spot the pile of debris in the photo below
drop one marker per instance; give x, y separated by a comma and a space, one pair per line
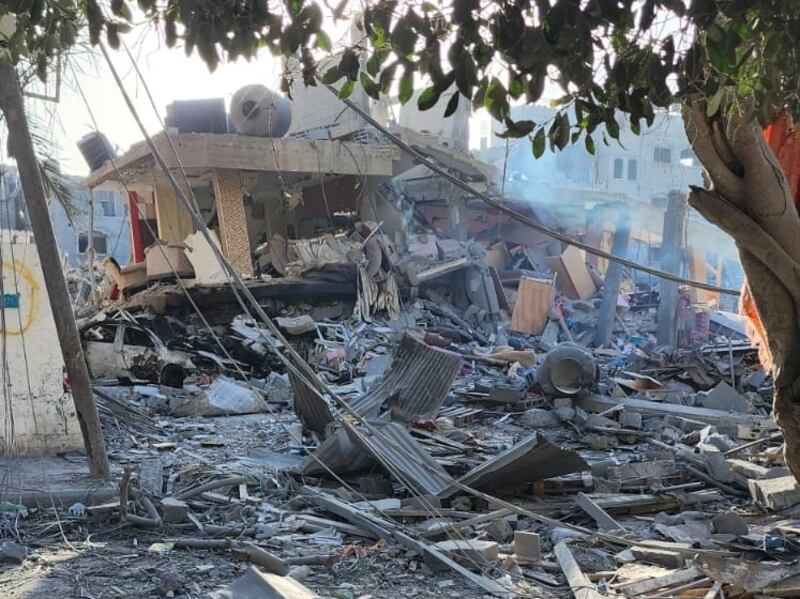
435, 419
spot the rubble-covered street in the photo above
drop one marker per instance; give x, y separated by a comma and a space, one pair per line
361, 339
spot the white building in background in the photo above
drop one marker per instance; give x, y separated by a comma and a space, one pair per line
644, 167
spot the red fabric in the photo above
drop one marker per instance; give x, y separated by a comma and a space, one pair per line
782, 137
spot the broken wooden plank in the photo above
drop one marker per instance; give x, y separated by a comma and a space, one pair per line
598, 514
450, 527
599, 403
636, 588
582, 587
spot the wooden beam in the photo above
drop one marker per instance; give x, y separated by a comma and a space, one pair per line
598, 514
582, 587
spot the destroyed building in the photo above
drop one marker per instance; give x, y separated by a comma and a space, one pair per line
401, 390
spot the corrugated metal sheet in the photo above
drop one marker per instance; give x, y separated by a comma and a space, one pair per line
313, 410
394, 445
415, 385
533, 459
350, 450
338, 453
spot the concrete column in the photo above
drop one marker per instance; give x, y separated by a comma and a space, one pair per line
232, 220
608, 308
672, 253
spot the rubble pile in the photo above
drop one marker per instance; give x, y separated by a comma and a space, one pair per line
462, 435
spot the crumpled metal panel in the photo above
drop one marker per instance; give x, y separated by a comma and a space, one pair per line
394, 446
313, 410
350, 449
415, 385
533, 459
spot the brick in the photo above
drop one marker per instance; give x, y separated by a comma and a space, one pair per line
467, 552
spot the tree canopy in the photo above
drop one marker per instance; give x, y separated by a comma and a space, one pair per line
605, 57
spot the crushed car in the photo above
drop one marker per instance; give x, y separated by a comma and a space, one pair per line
132, 353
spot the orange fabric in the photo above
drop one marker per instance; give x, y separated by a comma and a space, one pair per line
782, 137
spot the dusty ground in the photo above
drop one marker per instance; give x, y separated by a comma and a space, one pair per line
81, 558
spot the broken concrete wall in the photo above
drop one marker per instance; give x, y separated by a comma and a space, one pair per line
43, 416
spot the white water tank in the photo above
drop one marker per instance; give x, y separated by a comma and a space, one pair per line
258, 111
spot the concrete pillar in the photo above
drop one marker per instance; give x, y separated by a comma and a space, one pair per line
608, 308
672, 254
232, 220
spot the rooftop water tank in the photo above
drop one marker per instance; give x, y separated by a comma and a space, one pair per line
96, 149
260, 112
198, 116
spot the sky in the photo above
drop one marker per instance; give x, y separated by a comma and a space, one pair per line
170, 75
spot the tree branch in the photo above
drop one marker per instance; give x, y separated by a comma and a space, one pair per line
749, 236
701, 138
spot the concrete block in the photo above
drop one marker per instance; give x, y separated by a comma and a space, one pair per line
565, 414
729, 523
175, 510
527, 545
659, 557
12, 553
499, 530
538, 418
466, 551
775, 493
631, 420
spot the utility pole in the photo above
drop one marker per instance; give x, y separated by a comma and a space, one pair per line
672, 248
90, 245
21, 148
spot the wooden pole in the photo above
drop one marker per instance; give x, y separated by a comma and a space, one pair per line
672, 249
608, 308
21, 148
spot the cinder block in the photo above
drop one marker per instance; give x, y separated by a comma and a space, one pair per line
527, 545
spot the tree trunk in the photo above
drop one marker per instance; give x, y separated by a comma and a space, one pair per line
21, 148
749, 198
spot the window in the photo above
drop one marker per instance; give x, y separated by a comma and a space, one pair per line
137, 337
632, 170
107, 201
99, 243
687, 157
663, 155
618, 166
100, 334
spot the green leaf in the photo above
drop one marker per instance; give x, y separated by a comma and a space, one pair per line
406, 86
370, 87
561, 135
517, 129
403, 38
589, 143
713, 103
466, 75
386, 77
537, 145
452, 105
347, 89
323, 42
496, 100
612, 127
332, 75
428, 98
